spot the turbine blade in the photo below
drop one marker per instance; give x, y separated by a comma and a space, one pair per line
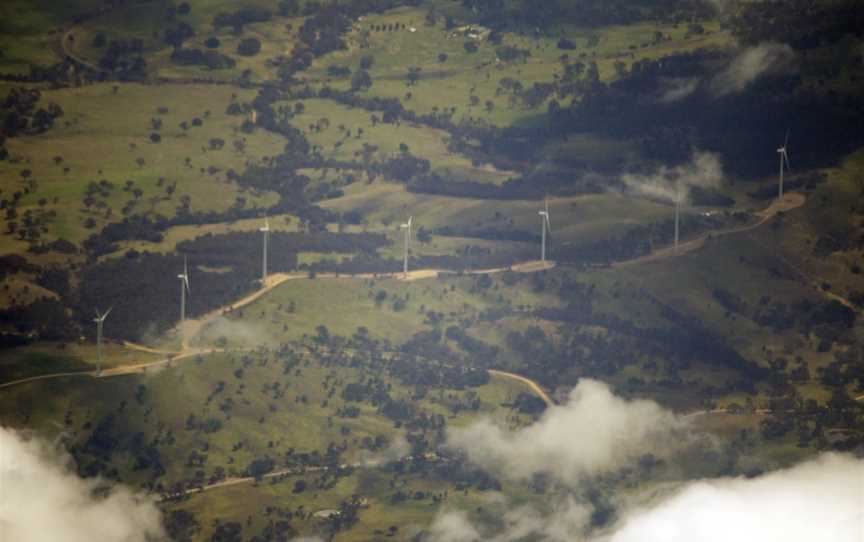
786, 160
786, 141
104, 316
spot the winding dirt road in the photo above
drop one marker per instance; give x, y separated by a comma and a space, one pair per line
192, 327
789, 202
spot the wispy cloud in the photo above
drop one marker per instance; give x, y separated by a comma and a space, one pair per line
669, 183
751, 64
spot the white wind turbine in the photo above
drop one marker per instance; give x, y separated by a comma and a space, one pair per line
266, 231
184, 288
100, 319
407, 228
784, 161
545, 225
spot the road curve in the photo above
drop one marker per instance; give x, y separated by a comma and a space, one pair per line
790, 201
535, 387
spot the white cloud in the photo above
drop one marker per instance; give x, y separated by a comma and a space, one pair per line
819, 500
41, 500
594, 432
396, 450
704, 170
751, 64
822, 499
453, 526
678, 88
566, 521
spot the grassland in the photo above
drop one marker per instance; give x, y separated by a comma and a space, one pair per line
577, 218
342, 305
103, 134
449, 84
30, 30
106, 129
301, 418
50, 358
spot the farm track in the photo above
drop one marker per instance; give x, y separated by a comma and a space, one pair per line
789, 202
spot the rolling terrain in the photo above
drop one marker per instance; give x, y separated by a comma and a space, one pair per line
335, 397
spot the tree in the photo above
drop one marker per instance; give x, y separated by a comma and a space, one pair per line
361, 80
182, 526
442, 57
366, 62
470, 47
212, 43
155, 137
249, 47
413, 75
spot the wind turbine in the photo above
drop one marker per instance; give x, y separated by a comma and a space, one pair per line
184, 287
784, 160
266, 231
545, 225
100, 319
407, 228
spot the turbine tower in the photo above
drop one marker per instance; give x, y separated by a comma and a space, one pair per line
784, 161
545, 225
100, 319
184, 288
677, 218
266, 231
407, 228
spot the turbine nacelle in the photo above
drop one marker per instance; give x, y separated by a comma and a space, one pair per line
101, 317
184, 276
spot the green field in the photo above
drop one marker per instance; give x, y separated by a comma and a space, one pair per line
352, 382
115, 128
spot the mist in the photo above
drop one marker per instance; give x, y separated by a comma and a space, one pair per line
42, 499
751, 64
567, 520
670, 183
594, 432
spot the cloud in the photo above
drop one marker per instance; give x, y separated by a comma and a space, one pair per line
820, 500
396, 450
41, 500
453, 526
593, 432
567, 520
704, 170
238, 333
677, 88
751, 64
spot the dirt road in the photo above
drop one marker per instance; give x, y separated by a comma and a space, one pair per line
535, 387
790, 201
